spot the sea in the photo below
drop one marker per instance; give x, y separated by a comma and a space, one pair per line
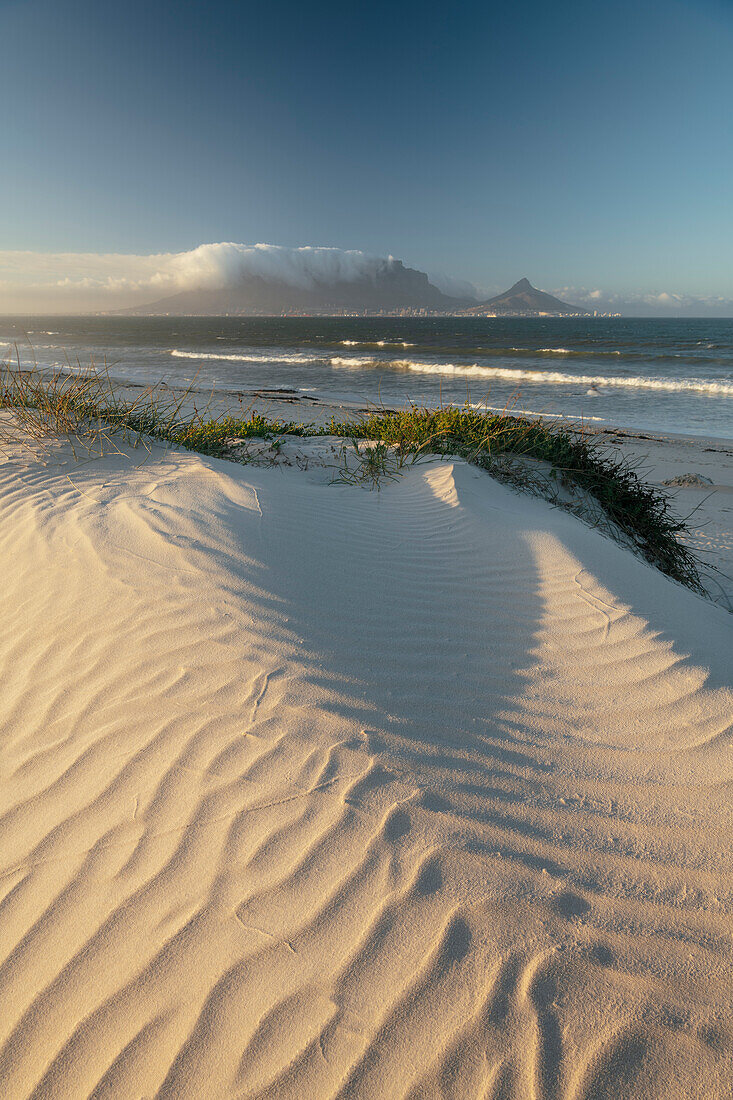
670, 375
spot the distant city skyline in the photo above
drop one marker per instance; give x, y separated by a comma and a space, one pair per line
586, 147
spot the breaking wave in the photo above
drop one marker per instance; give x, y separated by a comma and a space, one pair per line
560, 351
273, 355
589, 353
508, 374
531, 412
376, 344
363, 361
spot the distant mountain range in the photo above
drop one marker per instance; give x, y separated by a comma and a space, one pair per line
389, 288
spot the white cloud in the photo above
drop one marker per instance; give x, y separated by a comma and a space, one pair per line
644, 304
76, 280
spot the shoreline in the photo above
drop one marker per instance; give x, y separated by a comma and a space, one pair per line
222, 399
661, 456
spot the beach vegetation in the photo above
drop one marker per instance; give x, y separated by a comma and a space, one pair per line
563, 463
369, 466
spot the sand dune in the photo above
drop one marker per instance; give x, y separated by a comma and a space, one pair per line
314, 792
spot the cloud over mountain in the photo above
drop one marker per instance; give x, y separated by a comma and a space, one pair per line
88, 281
37, 280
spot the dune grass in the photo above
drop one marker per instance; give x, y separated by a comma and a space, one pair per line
85, 405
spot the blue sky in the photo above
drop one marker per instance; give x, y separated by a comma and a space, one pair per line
586, 145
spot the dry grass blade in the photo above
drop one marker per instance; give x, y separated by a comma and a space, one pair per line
47, 404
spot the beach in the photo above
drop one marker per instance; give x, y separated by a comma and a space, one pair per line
366, 552
315, 791
695, 471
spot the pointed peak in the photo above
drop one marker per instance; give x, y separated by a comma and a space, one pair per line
523, 299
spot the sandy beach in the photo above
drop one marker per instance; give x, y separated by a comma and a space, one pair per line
310, 791
366, 547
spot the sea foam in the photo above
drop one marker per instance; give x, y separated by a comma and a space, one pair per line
558, 378
275, 355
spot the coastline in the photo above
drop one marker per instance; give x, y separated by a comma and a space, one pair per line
660, 457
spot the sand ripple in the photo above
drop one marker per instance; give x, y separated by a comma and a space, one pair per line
314, 792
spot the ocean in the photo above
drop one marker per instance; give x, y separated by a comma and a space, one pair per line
660, 375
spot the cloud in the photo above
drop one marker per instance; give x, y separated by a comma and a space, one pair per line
455, 288
664, 303
86, 281
75, 280
215, 266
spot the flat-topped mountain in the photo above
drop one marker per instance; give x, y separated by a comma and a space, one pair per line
523, 298
389, 287
250, 280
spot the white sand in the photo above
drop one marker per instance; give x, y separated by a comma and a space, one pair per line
312, 792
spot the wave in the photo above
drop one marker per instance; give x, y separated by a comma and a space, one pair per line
588, 353
475, 370
376, 344
485, 353
250, 356
512, 411
355, 361
563, 351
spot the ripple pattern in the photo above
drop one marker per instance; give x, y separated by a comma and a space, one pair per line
313, 792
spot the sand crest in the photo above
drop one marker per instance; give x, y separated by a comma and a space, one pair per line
309, 791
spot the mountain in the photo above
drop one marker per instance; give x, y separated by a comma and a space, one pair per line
390, 287
523, 298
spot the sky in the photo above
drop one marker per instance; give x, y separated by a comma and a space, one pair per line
587, 146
